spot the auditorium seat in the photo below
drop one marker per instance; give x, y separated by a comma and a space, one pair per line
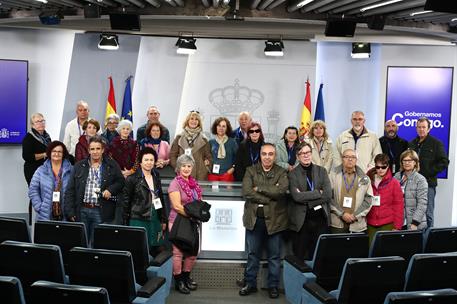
362, 281
430, 271
332, 251
31, 262
14, 229
113, 270
440, 296
11, 290
134, 239
396, 243
438, 240
66, 235
56, 293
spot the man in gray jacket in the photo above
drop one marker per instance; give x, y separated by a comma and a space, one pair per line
265, 217
309, 211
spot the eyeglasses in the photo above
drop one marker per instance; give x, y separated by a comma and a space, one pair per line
407, 160
350, 157
40, 121
381, 167
194, 111
254, 131
304, 153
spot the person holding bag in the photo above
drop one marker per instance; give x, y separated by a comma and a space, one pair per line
50, 182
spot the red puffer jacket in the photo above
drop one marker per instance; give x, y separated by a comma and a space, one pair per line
392, 203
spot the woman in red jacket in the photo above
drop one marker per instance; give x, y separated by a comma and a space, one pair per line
387, 205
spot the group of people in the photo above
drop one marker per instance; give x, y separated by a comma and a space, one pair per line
309, 187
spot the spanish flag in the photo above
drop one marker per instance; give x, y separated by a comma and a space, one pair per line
111, 103
306, 113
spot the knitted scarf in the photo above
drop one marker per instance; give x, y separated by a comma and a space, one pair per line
188, 185
221, 150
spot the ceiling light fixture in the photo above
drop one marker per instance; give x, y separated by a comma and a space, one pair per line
186, 45
303, 3
274, 48
42, 1
420, 13
361, 50
366, 8
108, 42
454, 19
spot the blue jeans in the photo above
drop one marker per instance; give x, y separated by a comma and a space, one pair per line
257, 239
430, 206
91, 217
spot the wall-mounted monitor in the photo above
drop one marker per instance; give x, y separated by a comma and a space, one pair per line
13, 100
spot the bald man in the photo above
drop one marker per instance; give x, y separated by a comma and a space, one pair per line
393, 145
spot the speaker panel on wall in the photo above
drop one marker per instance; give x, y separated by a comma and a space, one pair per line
129, 22
442, 6
91, 11
376, 22
340, 28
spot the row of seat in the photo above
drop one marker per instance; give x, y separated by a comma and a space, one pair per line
333, 250
71, 239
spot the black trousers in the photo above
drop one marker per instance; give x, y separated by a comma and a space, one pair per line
304, 241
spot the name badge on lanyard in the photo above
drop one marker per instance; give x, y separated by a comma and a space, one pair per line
188, 151
56, 196
157, 203
216, 168
347, 202
376, 201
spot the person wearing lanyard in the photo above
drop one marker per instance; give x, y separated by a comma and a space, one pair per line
393, 145
90, 127
352, 196
415, 188
241, 133
322, 152
73, 129
193, 142
223, 151
183, 190
153, 140
50, 182
265, 185
387, 209
248, 153
93, 182
142, 199
286, 149
360, 139
309, 210
111, 123
123, 149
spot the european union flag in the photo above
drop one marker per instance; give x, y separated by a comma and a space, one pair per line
127, 103
319, 114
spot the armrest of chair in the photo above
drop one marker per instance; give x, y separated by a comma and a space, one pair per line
150, 287
161, 258
298, 263
319, 293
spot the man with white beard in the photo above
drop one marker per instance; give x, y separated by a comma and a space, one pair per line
359, 139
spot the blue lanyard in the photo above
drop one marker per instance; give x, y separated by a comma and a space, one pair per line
79, 127
348, 188
255, 158
58, 177
97, 173
310, 184
392, 157
289, 152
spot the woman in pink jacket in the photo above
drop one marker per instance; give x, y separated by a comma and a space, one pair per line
387, 205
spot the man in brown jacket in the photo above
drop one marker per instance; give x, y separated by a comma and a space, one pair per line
265, 216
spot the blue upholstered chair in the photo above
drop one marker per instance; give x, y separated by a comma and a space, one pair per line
11, 290
332, 251
439, 240
56, 293
396, 243
113, 270
440, 296
363, 281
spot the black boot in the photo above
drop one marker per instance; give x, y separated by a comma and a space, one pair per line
180, 285
190, 284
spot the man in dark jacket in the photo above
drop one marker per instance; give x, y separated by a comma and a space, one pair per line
432, 159
392, 145
94, 182
265, 216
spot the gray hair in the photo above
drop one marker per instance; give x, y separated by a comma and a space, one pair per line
35, 115
123, 123
82, 103
184, 160
113, 116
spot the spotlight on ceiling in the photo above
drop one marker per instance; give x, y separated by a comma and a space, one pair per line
360, 50
274, 48
186, 45
108, 42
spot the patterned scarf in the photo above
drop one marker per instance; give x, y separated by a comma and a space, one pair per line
221, 150
44, 138
188, 186
191, 134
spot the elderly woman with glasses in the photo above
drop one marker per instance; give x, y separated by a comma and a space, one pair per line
248, 153
34, 147
387, 204
183, 190
193, 143
415, 189
123, 149
49, 183
111, 123
90, 127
